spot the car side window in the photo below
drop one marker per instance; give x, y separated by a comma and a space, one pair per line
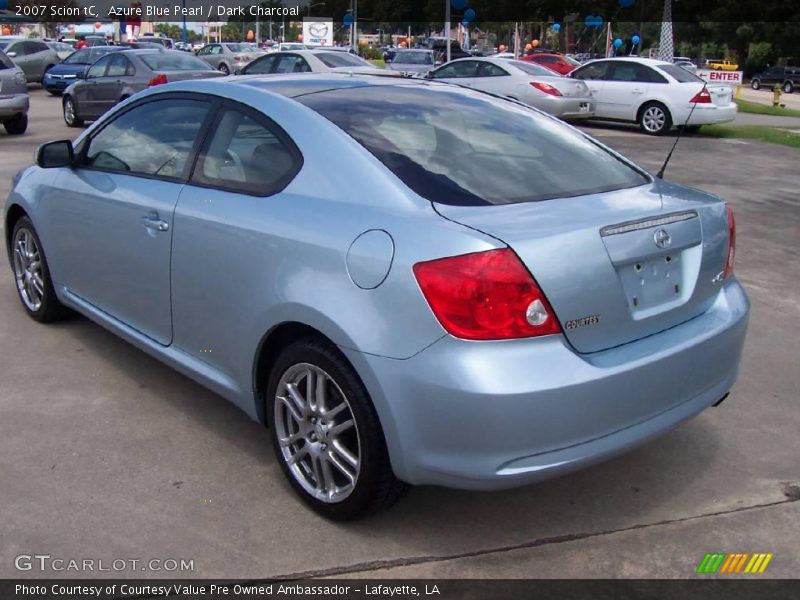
624, 72
458, 69
154, 138
21, 48
647, 75
292, 63
486, 69
216, 50
98, 69
546, 59
592, 71
246, 154
117, 66
261, 66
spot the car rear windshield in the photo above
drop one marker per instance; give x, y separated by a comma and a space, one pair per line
533, 69
87, 56
340, 59
414, 58
173, 61
680, 74
461, 147
238, 48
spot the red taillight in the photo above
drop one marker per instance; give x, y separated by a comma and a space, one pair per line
546, 88
701, 97
731, 242
157, 80
486, 296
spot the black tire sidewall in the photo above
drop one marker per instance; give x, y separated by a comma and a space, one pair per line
16, 125
375, 471
755, 84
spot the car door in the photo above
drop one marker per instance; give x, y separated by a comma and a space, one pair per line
236, 193
87, 92
112, 229
110, 86
594, 75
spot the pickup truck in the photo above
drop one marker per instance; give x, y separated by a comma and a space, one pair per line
721, 65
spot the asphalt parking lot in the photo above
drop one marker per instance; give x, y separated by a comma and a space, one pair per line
107, 454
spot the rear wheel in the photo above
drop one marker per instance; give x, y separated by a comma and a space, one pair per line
326, 434
755, 84
788, 87
70, 113
224, 68
16, 125
34, 287
654, 119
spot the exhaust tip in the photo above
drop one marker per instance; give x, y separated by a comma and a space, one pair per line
721, 400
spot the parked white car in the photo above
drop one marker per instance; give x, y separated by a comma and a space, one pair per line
526, 82
312, 61
655, 94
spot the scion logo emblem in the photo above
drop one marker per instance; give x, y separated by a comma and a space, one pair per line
662, 238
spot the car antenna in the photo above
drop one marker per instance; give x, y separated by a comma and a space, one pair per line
660, 173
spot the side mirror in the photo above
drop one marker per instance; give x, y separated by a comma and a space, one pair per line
55, 154
11, 54
81, 74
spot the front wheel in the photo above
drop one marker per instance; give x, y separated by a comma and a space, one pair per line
224, 68
755, 84
16, 125
788, 87
70, 113
654, 119
34, 287
326, 434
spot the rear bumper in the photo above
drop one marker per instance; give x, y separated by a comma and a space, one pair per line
709, 114
493, 415
13, 105
565, 108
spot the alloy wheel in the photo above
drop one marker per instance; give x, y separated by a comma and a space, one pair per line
788, 87
653, 119
317, 433
28, 270
69, 111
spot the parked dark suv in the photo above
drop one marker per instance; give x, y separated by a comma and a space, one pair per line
439, 47
787, 77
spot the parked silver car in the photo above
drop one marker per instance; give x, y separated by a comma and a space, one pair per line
526, 82
13, 96
412, 61
312, 61
228, 58
34, 57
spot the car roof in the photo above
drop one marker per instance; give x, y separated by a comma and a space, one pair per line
293, 85
651, 62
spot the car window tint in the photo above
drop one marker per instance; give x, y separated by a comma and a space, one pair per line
461, 147
624, 72
5, 62
246, 155
98, 69
486, 69
173, 60
592, 71
340, 59
117, 66
292, 63
532, 68
458, 69
261, 66
154, 138
679, 73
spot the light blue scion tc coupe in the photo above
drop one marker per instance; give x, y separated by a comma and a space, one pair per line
407, 281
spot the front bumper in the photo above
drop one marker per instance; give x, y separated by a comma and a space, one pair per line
13, 105
493, 415
57, 84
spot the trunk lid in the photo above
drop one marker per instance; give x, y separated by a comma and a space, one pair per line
618, 266
188, 75
566, 86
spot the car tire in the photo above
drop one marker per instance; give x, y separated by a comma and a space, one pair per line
755, 84
654, 119
16, 125
70, 113
788, 87
32, 275
341, 471
224, 68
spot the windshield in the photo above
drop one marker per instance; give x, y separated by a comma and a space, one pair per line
678, 73
464, 148
87, 56
533, 69
3, 45
5, 62
238, 48
174, 61
414, 58
340, 59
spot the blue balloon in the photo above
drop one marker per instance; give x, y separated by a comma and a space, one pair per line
469, 15
348, 19
458, 4
626, 3
636, 39
556, 27
617, 43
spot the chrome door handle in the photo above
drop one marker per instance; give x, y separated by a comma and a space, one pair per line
155, 224
638, 91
